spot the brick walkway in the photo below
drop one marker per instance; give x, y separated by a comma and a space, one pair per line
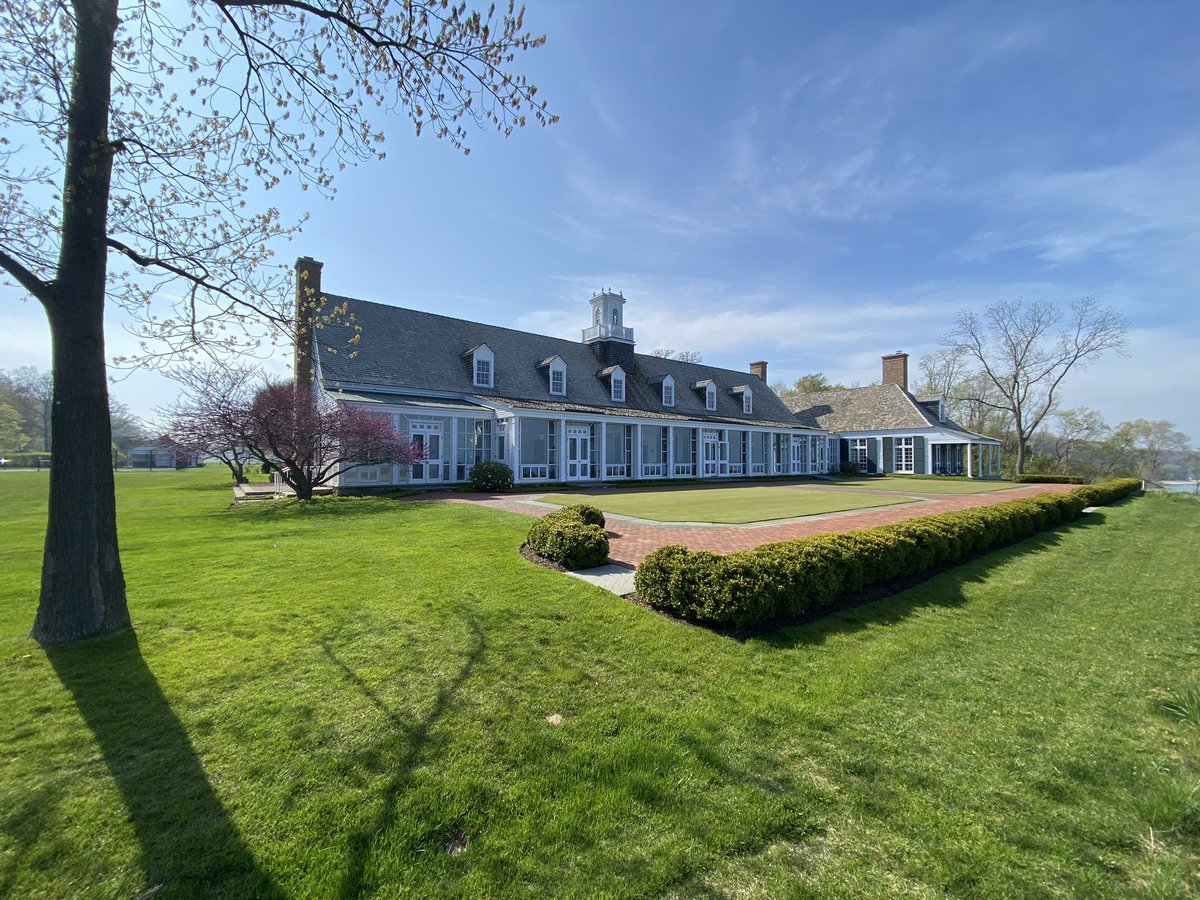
631, 539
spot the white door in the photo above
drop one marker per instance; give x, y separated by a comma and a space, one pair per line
428, 439
712, 454
799, 452
579, 452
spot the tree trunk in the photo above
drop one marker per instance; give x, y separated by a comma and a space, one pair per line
83, 587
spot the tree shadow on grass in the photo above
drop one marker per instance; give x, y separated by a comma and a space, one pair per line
415, 735
894, 602
190, 845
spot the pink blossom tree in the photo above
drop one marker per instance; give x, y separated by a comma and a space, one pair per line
311, 442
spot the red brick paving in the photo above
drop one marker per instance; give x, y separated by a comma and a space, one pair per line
631, 540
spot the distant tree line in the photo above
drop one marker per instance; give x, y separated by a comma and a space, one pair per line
26, 396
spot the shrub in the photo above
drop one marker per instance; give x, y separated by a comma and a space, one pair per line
1047, 479
1108, 491
792, 577
491, 477
581, 512
849, 467
573, 537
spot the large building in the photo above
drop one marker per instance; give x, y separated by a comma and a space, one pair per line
552, 409
885, 429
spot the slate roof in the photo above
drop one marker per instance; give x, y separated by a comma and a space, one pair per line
880, 407
404, 350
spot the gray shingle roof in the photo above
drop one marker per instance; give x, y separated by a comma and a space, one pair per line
880, 407
407, 350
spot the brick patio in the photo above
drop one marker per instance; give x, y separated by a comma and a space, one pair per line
630, 540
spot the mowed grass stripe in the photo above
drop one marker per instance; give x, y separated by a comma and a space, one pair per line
726, 506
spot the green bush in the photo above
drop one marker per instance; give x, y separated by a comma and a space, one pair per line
849, 467
582, 512
1107, 491
787, 579
1047, 479
491, 477
573, 537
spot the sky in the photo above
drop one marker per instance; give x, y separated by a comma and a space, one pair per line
811, 184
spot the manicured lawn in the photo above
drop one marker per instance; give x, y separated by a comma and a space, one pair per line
352, 698
727, 506
925, 485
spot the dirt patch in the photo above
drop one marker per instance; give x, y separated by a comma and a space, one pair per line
538, 560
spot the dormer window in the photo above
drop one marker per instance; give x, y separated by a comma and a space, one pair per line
748, 402
556, 375
618, 385
668, 391
710, 397
483, 367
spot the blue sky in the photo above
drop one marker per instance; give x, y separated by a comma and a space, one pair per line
811, 184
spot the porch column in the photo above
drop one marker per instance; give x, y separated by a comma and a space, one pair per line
969, 460
636, 455
697, 452
560, 451
670, 451
879, 455
603, 454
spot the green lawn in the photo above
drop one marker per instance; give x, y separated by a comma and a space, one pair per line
905, 485
352, 698
728, 505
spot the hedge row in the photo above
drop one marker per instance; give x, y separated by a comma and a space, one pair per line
788, 579
1047, 479
573, 537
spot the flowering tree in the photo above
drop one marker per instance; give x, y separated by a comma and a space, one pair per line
310, 443
145, 133
209, 416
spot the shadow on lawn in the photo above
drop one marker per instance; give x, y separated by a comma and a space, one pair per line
190, 845
889, 604
415, 736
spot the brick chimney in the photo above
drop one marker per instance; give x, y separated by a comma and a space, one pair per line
895, 369
759, 368
308, 302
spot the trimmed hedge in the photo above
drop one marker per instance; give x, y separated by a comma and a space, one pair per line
573, 537
1047, 479
491, 477
788, 579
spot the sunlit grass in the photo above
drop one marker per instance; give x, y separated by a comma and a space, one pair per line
356, 697
727, 506
925, 485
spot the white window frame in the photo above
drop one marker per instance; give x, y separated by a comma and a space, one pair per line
618, 386
558, 368
483, 367
903, 461
859, 453
710, 397
748, 402
668, 391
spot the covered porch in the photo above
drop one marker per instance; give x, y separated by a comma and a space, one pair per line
973, 459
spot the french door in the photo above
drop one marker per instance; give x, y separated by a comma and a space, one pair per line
579, 453
712, 454
427, 436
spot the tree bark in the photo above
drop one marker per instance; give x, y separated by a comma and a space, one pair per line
83, 586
